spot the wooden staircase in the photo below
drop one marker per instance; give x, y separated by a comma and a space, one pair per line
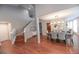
20, 40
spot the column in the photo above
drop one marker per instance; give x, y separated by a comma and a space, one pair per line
37, 23
38, 30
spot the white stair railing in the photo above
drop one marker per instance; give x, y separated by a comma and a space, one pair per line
13, 35
29, 31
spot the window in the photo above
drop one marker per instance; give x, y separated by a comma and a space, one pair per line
75, 25
72, 25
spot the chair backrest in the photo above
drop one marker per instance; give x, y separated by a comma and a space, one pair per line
61, 35
54, 35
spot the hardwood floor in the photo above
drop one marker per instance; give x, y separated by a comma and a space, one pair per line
32, 47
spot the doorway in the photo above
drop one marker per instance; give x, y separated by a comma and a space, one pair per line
40, 27
4, 31
48, 27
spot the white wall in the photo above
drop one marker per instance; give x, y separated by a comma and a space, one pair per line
44, 26
78, 25
17, 16
78, 32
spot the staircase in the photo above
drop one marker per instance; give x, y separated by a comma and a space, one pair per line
19, 40
22, 30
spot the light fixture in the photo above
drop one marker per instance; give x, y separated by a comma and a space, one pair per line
58, 22
51, 23
54, 22
29, 8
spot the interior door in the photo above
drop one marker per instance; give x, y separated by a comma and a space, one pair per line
4, 32
48, 27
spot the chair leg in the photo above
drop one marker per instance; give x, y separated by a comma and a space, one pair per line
65, 41
52, 39
57, 40
0, 43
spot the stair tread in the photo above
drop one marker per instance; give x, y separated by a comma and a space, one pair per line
19, 39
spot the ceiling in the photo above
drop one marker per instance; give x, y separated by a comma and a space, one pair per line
29, 7
46, 11
51, 11
71, 12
